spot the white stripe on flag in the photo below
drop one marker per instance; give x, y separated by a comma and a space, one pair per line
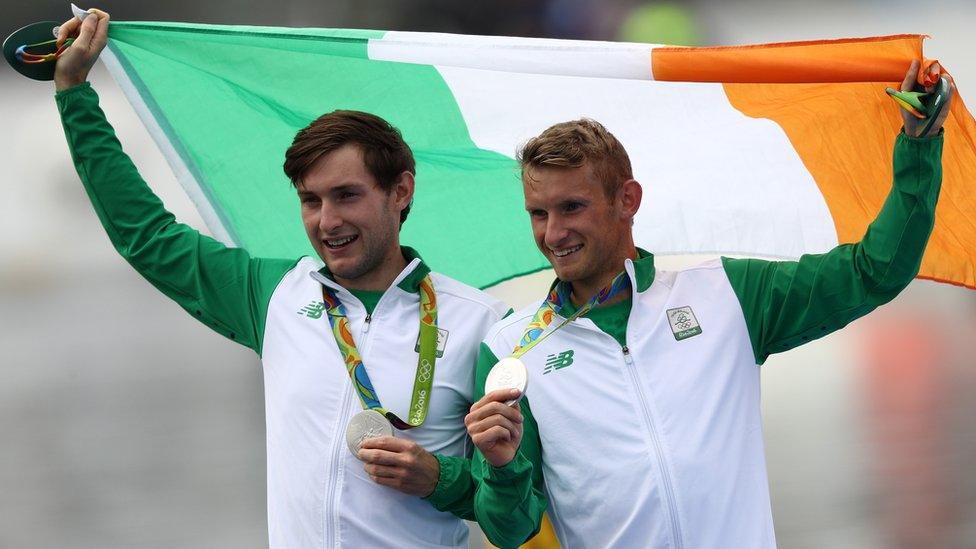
531, 55
180, 170
714, 180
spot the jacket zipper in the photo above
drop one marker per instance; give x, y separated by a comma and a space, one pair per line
332, 497
658, 450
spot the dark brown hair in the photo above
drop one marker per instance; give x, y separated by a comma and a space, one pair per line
385, 154
574, 144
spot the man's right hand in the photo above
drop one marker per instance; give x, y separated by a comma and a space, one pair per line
495, 427
91, 36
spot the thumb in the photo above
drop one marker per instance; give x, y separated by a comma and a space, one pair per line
86, 32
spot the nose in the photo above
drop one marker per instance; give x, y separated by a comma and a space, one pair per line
329, 219
556, 231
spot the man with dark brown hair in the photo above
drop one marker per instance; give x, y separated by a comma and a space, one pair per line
317, 327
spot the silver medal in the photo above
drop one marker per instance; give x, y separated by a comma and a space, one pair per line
366, 424
509, 373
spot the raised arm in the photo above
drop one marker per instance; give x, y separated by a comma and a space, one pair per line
787, 303
222, 287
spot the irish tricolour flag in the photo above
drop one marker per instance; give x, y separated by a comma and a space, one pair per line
773, 150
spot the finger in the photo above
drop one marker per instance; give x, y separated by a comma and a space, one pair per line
908, 84
493, 421
380, 457
501, 395
390, 482
68, 29
391, 444
382, 471
493, 408
85, 33
100, 38
490, 437
944, 113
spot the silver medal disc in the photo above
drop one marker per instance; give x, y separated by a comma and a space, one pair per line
366, 424
509, 373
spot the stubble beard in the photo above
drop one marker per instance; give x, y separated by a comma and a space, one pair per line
373, 255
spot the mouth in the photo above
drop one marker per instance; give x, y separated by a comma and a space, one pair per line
566, 251
340, 243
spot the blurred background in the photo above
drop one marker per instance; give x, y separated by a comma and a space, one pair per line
125, 423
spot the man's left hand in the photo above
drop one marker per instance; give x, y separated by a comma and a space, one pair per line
914, 126
400, 464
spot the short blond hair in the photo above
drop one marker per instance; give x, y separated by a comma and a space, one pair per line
577, 143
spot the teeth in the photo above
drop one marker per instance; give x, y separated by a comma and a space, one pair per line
567, 251
340, 242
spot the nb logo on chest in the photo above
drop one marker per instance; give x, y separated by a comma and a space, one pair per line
558, 361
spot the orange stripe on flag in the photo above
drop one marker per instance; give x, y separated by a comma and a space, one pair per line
880, 59
843, 133
829, 99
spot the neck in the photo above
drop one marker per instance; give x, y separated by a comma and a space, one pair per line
380, 278
585, 289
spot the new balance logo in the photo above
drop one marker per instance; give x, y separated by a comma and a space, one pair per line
558, 361
313, 310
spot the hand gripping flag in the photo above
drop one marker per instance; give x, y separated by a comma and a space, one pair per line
771, 150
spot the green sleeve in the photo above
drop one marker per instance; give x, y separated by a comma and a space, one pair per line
787, 303
455, 488
507, 502
223, 287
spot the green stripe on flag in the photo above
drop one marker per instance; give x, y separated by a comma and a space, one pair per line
230, 99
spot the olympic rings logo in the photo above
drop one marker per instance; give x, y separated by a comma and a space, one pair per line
426, 369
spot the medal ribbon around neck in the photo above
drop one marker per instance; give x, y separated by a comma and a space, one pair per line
424, 377
535, 332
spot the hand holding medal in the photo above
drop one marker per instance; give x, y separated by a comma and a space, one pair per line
495, 426
510, 372
495, 422
400, 464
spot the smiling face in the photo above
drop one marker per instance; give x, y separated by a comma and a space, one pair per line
584, 234
351, 221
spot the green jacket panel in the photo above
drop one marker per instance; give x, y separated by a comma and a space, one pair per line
788, 303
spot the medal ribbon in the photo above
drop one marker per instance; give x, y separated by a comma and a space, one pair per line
424, 377
30, 58
535, 332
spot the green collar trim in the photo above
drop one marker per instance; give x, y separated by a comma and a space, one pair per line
644, 269
411, 282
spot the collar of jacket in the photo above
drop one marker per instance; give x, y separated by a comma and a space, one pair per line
408, 280
641, 271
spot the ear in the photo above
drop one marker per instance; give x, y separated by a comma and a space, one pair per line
402, 191
630, 196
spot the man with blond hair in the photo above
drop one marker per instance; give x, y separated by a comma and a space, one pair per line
644, 428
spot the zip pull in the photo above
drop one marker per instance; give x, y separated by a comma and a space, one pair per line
369, 317
627, 358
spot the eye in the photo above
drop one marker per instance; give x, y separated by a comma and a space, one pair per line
347, 195
308, 199
538, 214
573, 206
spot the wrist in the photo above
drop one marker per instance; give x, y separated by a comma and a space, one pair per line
515, 467
435, 468
62, 83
